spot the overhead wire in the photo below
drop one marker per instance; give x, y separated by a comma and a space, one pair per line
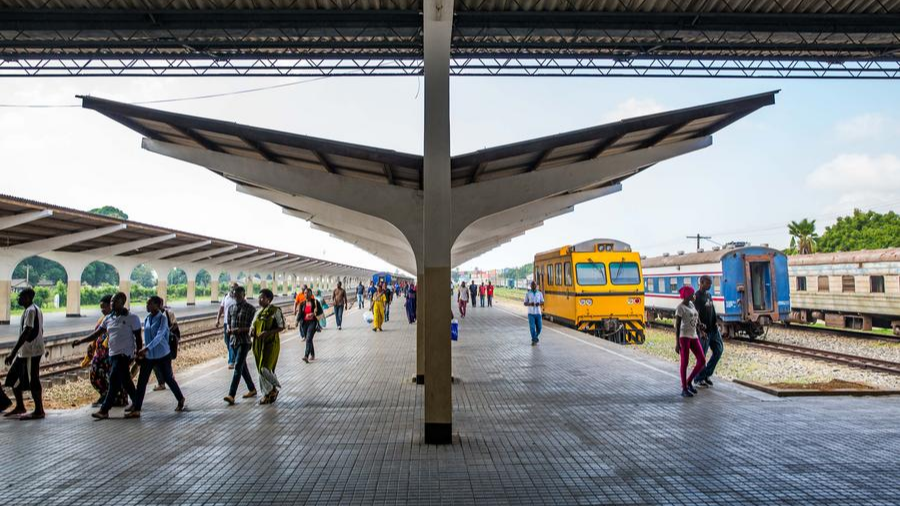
175, 99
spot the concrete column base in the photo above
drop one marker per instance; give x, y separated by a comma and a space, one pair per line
5, 303
73, 298
191, 292
438, 433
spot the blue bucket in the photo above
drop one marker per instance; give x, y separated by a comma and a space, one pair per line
454, 330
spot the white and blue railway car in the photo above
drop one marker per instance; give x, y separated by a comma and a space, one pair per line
750, 286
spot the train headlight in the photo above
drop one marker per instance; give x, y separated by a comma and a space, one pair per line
585, 302
634, 300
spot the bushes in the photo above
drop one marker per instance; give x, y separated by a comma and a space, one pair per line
91, 295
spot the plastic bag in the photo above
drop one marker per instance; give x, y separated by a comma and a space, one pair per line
369, 317
454, 330
323, 322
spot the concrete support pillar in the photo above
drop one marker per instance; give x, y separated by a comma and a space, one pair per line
438, 25
191, 291
214, 289
263, 284
162, 285
5, 302
125, 287
73, 298
248, 285
420, 333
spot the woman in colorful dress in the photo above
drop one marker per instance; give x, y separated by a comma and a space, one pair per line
267, 324
378, 302
98, 357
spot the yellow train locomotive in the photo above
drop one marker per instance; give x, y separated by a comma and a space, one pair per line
596, 287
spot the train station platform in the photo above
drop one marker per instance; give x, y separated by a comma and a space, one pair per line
571, 421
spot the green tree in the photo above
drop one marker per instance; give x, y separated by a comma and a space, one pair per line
40, 268
803, 236
862, 230
143, 276
100, 273
112, 212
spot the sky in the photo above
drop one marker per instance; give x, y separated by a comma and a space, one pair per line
824, 148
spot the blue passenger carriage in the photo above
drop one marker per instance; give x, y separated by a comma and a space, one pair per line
750, 287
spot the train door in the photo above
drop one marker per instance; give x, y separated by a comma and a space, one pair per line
759, 276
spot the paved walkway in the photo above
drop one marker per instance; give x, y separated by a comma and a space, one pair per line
572, 421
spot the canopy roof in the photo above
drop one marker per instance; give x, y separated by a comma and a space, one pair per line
746, 38
61, 221
391, 167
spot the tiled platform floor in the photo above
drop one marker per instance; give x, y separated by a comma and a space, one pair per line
573, 421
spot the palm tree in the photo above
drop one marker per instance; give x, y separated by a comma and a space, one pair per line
804, 234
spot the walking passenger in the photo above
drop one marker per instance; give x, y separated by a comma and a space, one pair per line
490, 294
155, 355
411, 303
360, 295
24, 361
462, 299
339, 301
224, 307
709, 324
310, 312
688, 341
240, 322
534, 301
482, 293
301, 296
124, 330
388, 299
473, 293
378, 302
99, 356
267, 325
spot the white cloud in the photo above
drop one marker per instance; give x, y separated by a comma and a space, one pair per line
860, 181
866, 127
633, 107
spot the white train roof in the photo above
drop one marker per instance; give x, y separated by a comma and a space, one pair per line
705, 257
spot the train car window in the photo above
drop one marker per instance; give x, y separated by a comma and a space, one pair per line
549, 274
876, 284
823, 284
558, 274
592, 274
673, 285
568, 273
848, 284
624, 273
801, 283
717, 285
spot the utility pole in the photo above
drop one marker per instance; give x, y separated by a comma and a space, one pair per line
699, 237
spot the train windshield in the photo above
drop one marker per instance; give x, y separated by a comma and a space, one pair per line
592, 274
624, 273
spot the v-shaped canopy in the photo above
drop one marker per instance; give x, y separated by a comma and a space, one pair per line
403, 169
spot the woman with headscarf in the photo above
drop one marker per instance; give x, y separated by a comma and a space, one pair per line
267, 324
688, 340
411, 303
379, 300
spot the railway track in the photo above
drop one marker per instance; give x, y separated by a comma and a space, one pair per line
855, 334
871, 364
830, 356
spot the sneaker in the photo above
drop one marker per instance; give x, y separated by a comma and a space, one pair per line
698, 383
100, 415
692, 390
230, 366
686, 393
160, 388
132, 414
306, 359
708, 382
251, 393
534, 343
129, 408
229, 399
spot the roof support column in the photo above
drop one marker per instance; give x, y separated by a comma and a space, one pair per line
437, 240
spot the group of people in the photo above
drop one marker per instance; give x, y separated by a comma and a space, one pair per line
381, 296
474, 293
